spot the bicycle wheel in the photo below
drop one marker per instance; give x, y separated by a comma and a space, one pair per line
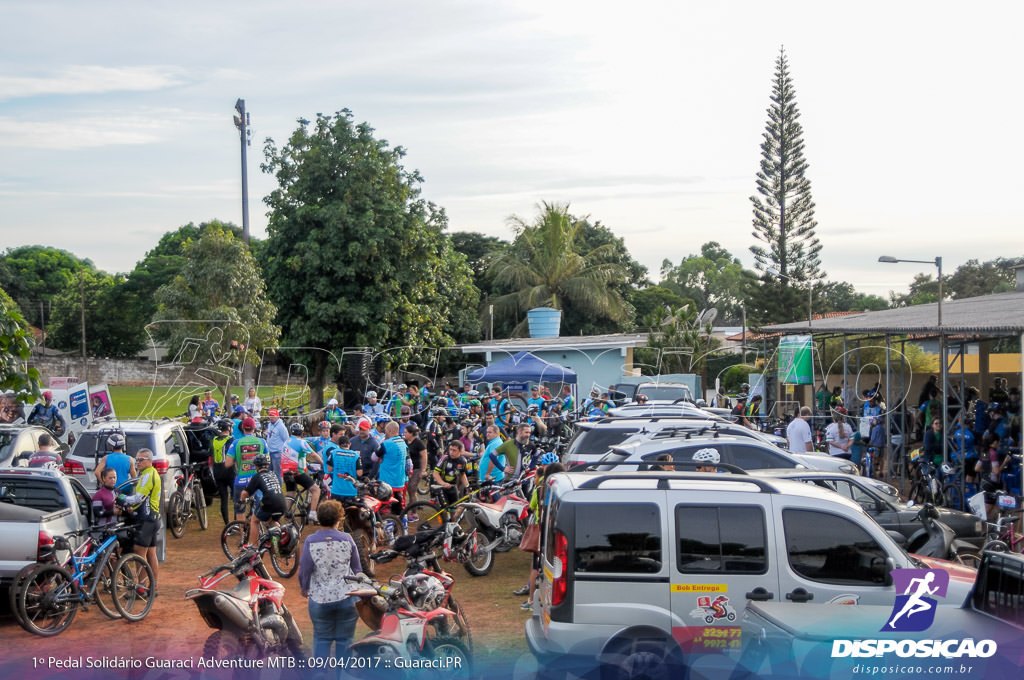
284, 565
423, 516
199, 499
954, 499
234, 537
48, 601
362, 542
105, 587
177, 514
295, 513
134, 588
14, 592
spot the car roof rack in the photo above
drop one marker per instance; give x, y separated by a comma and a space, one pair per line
591, 467
677, 416
665, 477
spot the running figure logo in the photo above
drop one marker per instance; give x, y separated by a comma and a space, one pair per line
914, 610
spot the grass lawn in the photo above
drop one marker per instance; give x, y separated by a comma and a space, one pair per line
166, 401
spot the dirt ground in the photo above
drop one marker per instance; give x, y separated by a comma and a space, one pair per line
173, 629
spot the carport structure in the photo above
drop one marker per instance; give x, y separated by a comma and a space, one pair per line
964, 322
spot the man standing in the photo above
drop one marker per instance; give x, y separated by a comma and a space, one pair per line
117, 460
344, 465
798, 434
147, 499
244, 452
391, 455
373, 407
277, 437
537, 400
518, 451
334, 413
223, 467
48, 415
418, 453
492, 464
210, 405
365, 444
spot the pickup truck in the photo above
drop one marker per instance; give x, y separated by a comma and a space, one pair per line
37, 505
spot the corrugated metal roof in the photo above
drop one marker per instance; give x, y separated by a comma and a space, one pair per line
1000, 314
610, 340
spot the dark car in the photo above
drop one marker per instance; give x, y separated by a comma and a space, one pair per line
884, 505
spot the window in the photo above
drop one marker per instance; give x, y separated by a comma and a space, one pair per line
727, 539
756, 458
852, 491
832, 549
625, 538
27, 492
598, 440
1002, 593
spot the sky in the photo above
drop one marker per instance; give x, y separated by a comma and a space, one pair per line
116, 117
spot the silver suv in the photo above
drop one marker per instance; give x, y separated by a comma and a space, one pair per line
656, 567
166, 438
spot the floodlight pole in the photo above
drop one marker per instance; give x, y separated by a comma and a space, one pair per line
242, 123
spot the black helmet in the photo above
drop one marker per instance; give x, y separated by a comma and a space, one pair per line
383, 492
261, 461
116, 440
295, 429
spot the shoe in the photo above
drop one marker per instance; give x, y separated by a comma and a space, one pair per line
525, 590
312, 516
526, 606
413, 517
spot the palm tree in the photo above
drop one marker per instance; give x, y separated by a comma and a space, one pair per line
543, 268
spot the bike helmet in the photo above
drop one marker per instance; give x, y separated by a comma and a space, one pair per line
423, 592
438, 412
947, 469
371, 395
116, 441
289, 539
462, 413
549, 458
382, 492
261, 461
324, 425
709, 456
295, 429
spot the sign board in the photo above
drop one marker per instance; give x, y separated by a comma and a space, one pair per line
514, 387
62, 383
73, 404
795, 365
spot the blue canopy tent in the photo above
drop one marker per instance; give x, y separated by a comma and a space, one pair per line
523, 367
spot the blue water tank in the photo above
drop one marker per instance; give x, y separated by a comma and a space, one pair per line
544, 322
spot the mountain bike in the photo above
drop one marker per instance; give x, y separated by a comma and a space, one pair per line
187, 501
234, 539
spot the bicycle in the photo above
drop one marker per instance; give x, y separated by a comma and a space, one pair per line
1002, 534
49, 596
187, 497
234, 540
299, 505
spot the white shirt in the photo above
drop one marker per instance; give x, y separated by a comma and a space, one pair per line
835, 441
253, 405
799, 435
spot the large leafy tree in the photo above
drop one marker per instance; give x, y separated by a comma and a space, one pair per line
15, 348
840, 296
786, 250
107, 306
215, 312
974, 278
713, 278
545, 267
354, 256
34, 275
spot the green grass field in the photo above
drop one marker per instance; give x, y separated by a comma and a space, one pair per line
165, 401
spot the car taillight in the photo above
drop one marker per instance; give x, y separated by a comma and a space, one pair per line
561, 560
73, 467
161, 465
45, 548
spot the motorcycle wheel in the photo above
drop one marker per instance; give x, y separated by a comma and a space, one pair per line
427, 517
968, 559
389, 528
105, 589
222, 645
199, 498
481, 563
285, 565
176, 514
363, 546
133, 587
513, 528
234, 536
40, 613
456, 626
452, 648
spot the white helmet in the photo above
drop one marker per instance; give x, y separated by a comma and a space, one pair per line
371, 395
708, 456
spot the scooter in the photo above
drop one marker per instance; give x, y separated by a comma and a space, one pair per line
714, 610
250, 618
409, 627
940, 541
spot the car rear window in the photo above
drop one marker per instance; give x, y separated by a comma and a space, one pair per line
665, 393
86, 444
625, 541
596, 441
29, 492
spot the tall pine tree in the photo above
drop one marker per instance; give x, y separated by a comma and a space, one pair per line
787, 249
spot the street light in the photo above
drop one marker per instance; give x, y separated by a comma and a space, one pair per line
889, 259
810, 289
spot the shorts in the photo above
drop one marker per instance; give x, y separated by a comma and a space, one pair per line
239, 504
536, 561
146, 531
304, 480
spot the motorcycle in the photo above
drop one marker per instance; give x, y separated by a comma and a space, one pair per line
939, 541
371, 521
498, 523
714, 610
409, 624
251, 617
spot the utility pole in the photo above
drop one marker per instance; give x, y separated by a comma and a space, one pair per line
242, 123
81, 288
42, 322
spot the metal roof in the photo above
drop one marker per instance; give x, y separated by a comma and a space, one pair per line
611, 340
1002, 313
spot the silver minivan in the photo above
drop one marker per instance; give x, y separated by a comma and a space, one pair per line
637, 564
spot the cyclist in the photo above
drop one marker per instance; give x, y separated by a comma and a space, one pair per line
334, 413
117, 459
345, 466
537, 400
450, 472
146, 504
270, 503
104, 506
707, 460
493, 464
372, 406
223, 466
295, 459
320, 442
209, 405
392, 456
244, 452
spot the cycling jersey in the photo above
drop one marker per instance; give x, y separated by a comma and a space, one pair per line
451, 469
336, 415
293, 455
343, 462
245, 451
273, 501
492, 459
392, 463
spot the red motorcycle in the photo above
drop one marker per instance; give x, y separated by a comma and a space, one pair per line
410, 629
370, 520
249, 619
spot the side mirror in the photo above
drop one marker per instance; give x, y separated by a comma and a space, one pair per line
910, 503
890, 564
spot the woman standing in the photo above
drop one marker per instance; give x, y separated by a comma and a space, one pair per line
253, 404
328, 556
839, 436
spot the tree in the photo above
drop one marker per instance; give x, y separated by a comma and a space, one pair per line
36, 274
354, 257
590, 238
784, 224
714, 278
974, 278
651, 304
679, 344
544, 267
107, 334
15, 348
840, 296
216, 311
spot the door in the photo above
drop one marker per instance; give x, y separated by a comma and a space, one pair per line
831, 559
720, 560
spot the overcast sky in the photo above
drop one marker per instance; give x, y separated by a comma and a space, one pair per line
116, 117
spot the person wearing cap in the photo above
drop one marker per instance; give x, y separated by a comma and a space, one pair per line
238, 414
296, 459
537, 400
223, 467
277, 437
568, 403
365, 444
243, 452
232, 403
116, 460
253, 405
739, 411
48, 415
334, 413
344, 463
209, 405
